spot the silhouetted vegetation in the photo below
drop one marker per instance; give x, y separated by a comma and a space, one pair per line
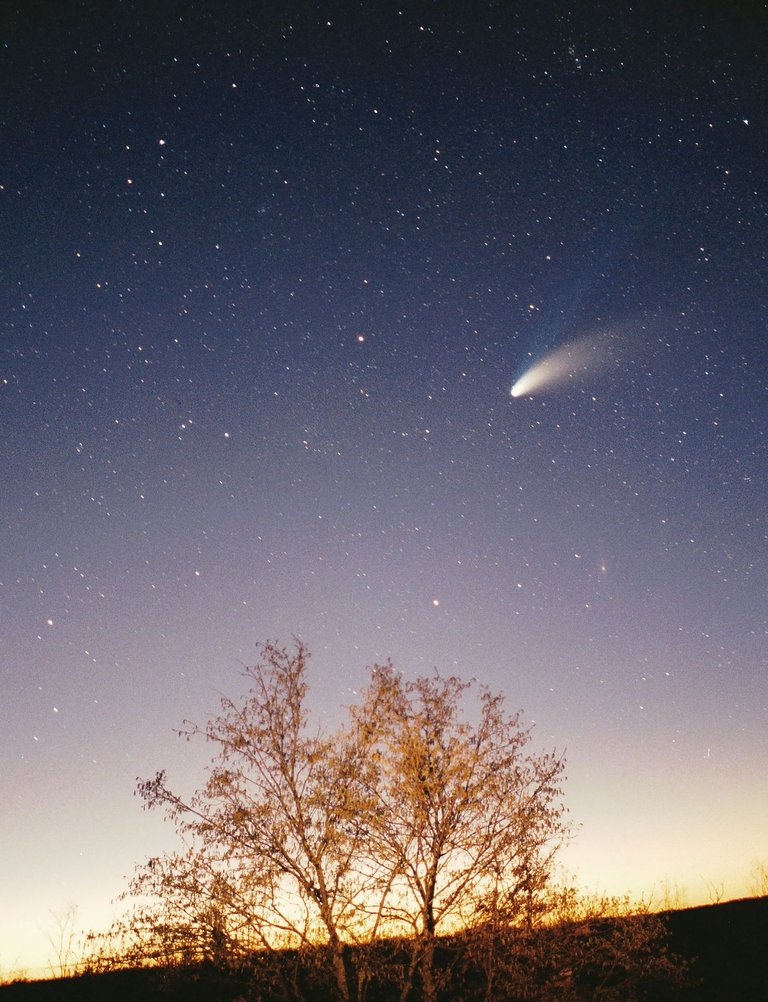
408, 856
723, 946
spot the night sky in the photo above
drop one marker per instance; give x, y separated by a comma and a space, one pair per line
269, 273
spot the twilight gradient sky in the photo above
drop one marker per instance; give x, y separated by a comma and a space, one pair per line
268, 274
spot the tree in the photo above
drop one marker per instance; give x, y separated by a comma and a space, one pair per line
464, 817
275, 836
759, 881
404, 849
63, 940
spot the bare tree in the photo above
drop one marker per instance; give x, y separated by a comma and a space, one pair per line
715, 890
62, 937
672, 896
275, 833
463, 813
759, 878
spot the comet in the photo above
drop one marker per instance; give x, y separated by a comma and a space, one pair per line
562, 366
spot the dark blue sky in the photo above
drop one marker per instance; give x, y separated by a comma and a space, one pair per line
267, 278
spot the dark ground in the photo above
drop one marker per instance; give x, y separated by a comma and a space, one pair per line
726, 945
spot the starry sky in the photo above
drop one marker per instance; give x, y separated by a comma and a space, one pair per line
269, 273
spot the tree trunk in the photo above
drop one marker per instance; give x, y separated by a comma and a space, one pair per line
428, 949
340, 970
427, 969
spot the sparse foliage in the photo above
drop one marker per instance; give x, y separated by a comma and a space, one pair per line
408, 851
759, 880
463, 816
591, 947
275, 854
63, 938
715, 890
672, 896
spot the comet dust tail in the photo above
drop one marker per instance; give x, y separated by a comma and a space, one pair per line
564, 365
